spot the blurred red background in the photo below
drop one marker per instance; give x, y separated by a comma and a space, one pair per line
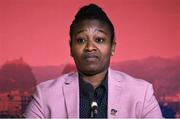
37, 30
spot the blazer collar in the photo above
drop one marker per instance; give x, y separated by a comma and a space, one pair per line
71, 95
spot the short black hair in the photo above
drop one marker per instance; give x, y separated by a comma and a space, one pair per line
91, 11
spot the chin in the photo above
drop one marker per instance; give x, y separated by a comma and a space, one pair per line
89, 71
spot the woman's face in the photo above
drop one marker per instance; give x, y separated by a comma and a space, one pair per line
91, 47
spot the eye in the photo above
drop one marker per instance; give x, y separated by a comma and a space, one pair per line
99, 40
81, 40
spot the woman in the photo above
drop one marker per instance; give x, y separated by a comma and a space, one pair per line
95, 90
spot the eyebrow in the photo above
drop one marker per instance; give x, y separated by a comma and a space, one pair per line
99, 30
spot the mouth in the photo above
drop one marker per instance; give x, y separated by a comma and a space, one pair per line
91, 57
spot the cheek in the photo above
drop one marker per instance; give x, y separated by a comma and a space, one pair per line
76, 51
106, 52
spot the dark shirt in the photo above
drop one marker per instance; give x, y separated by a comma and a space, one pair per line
100, 95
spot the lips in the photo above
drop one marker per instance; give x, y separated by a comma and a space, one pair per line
90, 57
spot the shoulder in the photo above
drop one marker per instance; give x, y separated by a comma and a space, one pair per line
129, 82
54, 85
137, 89
126, 78
136, 94
49, 97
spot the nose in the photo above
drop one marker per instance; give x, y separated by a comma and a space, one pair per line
90, 46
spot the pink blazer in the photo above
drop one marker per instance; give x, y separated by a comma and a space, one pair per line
129, 97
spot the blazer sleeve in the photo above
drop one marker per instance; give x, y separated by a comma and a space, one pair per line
151, 107
35, 107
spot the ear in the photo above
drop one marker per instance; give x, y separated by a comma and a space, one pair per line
113, 48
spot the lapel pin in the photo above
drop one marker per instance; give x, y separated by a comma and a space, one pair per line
113, 112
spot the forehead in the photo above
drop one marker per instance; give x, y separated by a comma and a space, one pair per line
92, 24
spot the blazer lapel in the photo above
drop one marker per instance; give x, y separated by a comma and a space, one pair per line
71, 95
114, 89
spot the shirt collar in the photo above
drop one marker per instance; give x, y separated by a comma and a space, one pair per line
104, 83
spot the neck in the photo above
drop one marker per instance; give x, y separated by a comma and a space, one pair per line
94, 80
